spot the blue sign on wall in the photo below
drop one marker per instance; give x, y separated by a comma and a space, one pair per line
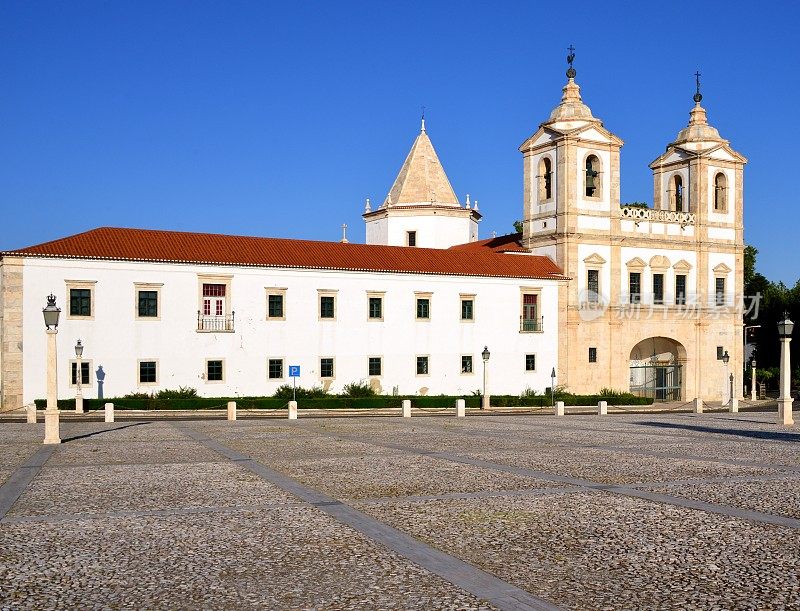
294, 371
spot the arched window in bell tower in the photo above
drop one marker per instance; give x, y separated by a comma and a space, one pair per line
676, 193
720, 193
592, 180
545, 179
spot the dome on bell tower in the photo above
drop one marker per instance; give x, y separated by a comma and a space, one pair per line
571, 107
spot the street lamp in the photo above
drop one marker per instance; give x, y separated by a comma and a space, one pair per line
485, 354
753, 393
51, 417
553, 387
78, 376
726, 359
785, 328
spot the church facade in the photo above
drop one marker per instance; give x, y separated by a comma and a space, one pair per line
621, 297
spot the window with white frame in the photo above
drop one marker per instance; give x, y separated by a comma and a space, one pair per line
326, 367
375, 366
148, 372
275, 369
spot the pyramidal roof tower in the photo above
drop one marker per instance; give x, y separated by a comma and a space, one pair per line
422, 208
422, 179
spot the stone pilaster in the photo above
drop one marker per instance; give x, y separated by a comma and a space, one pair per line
10, 332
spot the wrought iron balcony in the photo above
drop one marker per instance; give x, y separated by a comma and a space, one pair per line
531, 325
215, 324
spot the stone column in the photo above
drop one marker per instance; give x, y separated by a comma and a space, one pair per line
292, 410
109, 409
31, 413
753, 394
231, 410
559, 409
51, 415
406, 408
785, 415
698, 405
602, 408
460, 408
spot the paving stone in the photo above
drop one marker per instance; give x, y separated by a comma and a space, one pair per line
290, 558
596, 551
80, 490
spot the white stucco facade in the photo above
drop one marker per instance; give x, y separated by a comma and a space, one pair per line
116, 339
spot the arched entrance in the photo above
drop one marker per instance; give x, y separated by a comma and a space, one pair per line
656, 369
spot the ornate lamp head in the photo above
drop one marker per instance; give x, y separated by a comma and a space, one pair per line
51, 313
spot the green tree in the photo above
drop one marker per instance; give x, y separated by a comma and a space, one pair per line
518, 226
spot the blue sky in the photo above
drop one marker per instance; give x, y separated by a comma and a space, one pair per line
279, 119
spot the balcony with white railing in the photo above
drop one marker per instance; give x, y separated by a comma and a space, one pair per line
215, 324
664, 222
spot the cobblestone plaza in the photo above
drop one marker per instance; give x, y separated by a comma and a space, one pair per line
510, 512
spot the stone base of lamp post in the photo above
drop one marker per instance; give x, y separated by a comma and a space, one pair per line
79, 405
30, 411
785, 415
51, 426
485, 401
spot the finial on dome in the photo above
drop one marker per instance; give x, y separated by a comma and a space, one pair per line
697, 97
469, 205
571, 58
367, 207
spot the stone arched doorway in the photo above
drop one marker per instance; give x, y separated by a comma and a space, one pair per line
656, 369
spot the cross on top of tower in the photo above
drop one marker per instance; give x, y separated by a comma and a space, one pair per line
697, 95
571, 58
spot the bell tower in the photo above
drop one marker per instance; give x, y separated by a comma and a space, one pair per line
571, 178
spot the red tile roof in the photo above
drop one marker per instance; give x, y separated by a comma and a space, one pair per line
503, 243
173, 246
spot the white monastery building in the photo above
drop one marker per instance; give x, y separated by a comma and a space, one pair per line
629, 298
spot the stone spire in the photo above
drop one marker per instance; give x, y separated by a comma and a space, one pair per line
698, 129
422, 179
571, 107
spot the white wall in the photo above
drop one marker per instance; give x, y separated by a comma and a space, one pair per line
433, 231
116, 340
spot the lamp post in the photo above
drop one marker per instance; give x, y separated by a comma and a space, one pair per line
78, 377
485, 400
553, 387
51, 417
726, 359
753, 393
785, 328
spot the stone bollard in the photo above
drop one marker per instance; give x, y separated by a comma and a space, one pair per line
698, 405
602, 408
406, 408
559, 409
231, 410
734, 405
30, 410
460, 408
78, 405
292, 410
109, 412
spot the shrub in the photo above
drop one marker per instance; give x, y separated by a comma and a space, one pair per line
138, 395
528, 392
285, 392
357, 389
184, 392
